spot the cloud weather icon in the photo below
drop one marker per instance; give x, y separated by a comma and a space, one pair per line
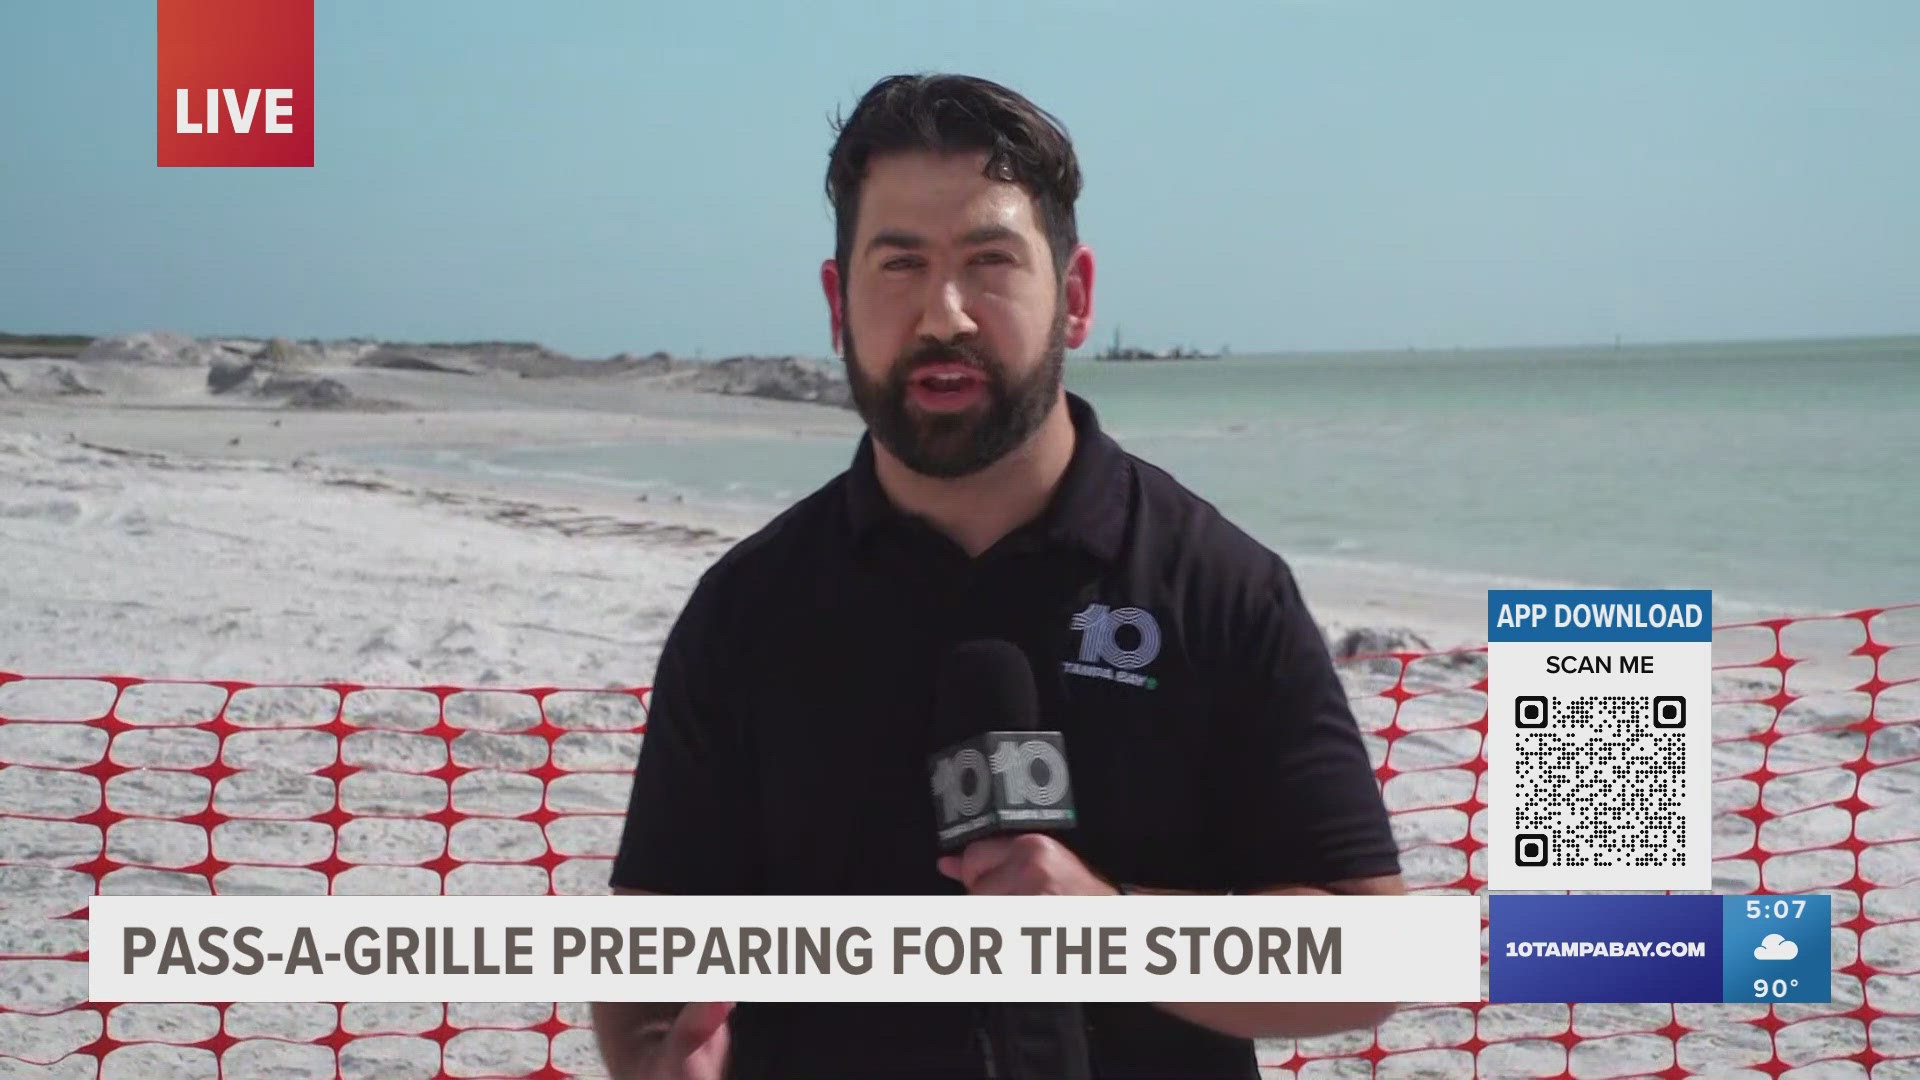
1775, 947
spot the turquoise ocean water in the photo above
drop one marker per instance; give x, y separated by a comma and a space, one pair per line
1777, 473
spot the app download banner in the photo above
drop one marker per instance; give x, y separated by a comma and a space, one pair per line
1659, 948
1599, 740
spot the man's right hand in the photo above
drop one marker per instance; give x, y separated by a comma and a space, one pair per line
691, 1046
638, 1042
695, 1047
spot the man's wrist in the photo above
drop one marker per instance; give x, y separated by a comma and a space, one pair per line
651, 1031
645, 1043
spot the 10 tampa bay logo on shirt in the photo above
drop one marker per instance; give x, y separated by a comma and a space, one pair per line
1115, 643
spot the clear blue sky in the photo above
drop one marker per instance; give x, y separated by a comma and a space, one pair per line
603, 175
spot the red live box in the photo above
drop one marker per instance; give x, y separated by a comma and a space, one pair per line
236, 83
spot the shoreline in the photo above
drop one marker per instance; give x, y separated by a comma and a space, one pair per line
235, 507
293, 461
334, 445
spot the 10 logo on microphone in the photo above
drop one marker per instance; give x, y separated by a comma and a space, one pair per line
1001, 780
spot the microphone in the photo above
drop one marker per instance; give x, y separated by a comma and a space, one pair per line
996, 772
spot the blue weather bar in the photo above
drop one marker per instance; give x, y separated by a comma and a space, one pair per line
1659, 948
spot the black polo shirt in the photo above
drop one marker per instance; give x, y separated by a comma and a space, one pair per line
1210, 743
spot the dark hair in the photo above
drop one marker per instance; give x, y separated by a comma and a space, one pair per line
957, 114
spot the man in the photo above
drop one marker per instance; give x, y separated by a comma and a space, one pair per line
788, 731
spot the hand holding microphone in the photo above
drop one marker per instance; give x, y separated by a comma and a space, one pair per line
1000, 786
1023, 864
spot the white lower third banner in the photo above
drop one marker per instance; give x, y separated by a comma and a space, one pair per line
784, 948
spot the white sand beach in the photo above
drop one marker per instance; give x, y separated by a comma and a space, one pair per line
153, 528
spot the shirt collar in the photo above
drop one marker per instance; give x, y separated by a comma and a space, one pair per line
1088, 510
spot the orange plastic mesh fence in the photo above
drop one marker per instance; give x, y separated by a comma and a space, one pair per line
123, 785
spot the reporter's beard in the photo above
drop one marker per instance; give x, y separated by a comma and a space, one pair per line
948, 446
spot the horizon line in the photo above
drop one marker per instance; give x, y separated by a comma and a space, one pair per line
1619, 342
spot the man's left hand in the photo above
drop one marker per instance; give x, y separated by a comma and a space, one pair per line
1025, 864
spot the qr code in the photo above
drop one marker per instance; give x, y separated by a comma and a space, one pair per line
1600, 781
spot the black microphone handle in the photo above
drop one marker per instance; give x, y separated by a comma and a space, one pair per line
988, 684
1039, 1041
